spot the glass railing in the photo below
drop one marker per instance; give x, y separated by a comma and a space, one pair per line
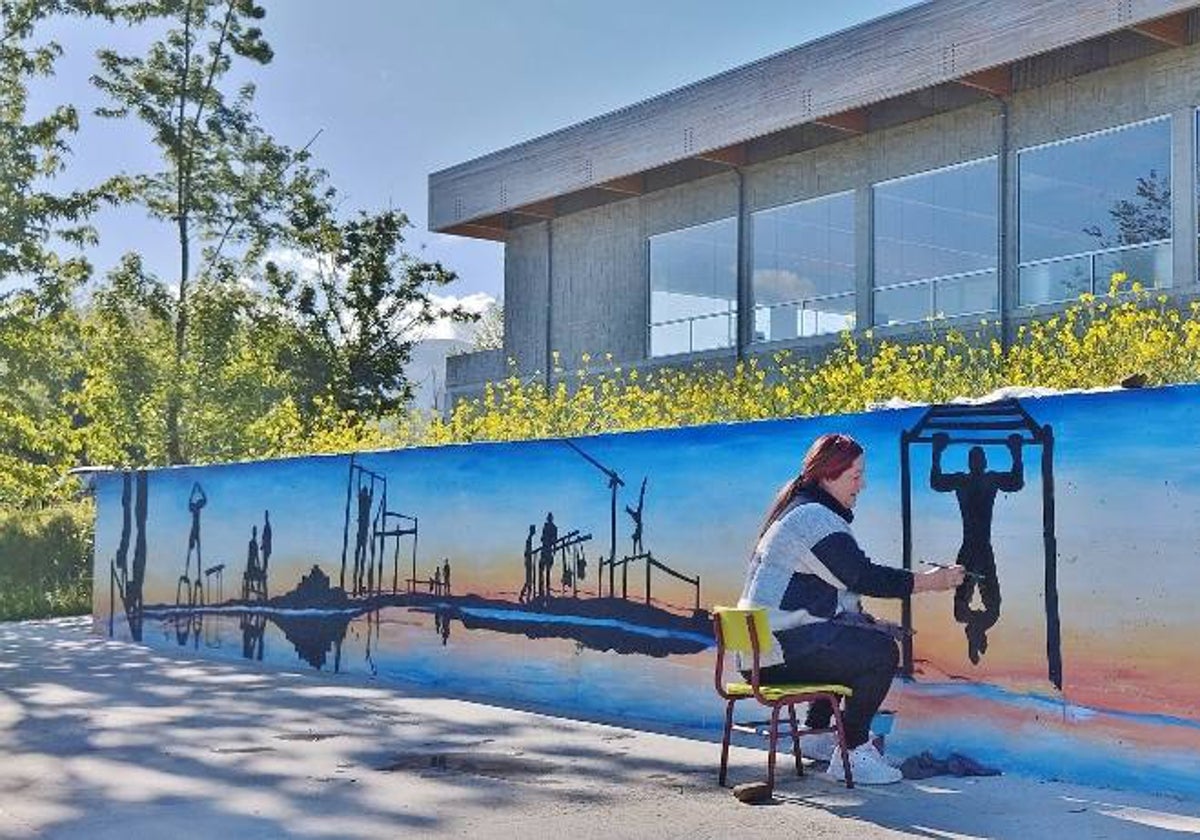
966, 293
1065, 278
709, 331
818, 315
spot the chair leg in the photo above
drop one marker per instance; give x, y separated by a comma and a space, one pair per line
771, 749
725, 741
836, 702
795, 738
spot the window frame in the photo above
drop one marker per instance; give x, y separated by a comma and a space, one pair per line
852, 294
1018, 264
731, 313
933, 281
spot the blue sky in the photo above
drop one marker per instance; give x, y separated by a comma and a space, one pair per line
399, 89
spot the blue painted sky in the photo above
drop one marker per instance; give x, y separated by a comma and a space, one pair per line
400, 88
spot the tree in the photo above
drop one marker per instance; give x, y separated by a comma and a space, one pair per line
226, 185
1144, 218
39, 327
127, 336
32, 151
489, 332
359, 312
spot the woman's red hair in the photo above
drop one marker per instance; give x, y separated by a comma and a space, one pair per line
827, 458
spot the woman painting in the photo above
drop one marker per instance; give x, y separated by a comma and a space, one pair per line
808, 571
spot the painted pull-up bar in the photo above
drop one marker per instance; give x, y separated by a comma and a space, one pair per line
983, 441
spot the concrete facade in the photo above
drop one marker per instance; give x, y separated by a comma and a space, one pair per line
579, 282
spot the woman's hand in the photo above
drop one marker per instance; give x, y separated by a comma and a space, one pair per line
940, 578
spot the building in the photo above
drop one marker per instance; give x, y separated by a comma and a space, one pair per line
961, 158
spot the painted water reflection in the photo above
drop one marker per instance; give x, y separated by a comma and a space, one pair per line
436, 652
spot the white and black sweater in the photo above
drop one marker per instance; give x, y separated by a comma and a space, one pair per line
807, 568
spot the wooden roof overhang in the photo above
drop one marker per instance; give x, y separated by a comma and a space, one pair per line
933, 57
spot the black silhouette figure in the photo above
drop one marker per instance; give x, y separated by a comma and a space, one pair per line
188, 628
437, 580
446, 575
122, 581
252, 549
185, 590
264, 542
636, 515
121, 560
216, 572
580, 564
976, 491
546, 557
196, 502
528, 588
365, 498
254, 581
441, 625
138, 576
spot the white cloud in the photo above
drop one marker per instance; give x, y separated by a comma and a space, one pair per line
477, 302
290, 259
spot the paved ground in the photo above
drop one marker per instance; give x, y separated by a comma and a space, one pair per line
103, 739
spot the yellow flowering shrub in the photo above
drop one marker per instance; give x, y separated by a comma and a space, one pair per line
1098, 341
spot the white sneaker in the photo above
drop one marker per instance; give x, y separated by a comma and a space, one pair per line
866, 764
820, 746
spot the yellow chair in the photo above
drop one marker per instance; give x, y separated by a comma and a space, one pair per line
747, 632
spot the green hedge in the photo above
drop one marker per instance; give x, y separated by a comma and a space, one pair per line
45, 561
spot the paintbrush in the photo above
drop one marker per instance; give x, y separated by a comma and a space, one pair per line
975, 576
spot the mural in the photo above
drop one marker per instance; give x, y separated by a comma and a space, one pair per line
575, 576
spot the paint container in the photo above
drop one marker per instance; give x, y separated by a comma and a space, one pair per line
881, 725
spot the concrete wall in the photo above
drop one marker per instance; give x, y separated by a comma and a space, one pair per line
600, 276
422, 566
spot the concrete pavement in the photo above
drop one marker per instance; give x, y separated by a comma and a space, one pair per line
103, 739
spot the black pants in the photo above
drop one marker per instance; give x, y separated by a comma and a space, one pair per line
864, 660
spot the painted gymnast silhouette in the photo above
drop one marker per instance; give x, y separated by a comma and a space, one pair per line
636, 515
976, 491
196, 502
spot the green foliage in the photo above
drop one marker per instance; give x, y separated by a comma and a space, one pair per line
225, 184
211, 363
32, 151
44, 568
357, 311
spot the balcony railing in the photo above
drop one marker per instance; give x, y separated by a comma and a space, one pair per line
809, 316
1057, 279
678, 335
936, 290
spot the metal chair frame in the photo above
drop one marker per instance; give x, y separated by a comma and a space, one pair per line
759, 632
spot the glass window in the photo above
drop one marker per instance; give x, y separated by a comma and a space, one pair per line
693, 288
935, 243
1092, 206
802, 268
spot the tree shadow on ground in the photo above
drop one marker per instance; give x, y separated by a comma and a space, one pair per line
110, 739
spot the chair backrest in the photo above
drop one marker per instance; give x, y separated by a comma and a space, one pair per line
735, 629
